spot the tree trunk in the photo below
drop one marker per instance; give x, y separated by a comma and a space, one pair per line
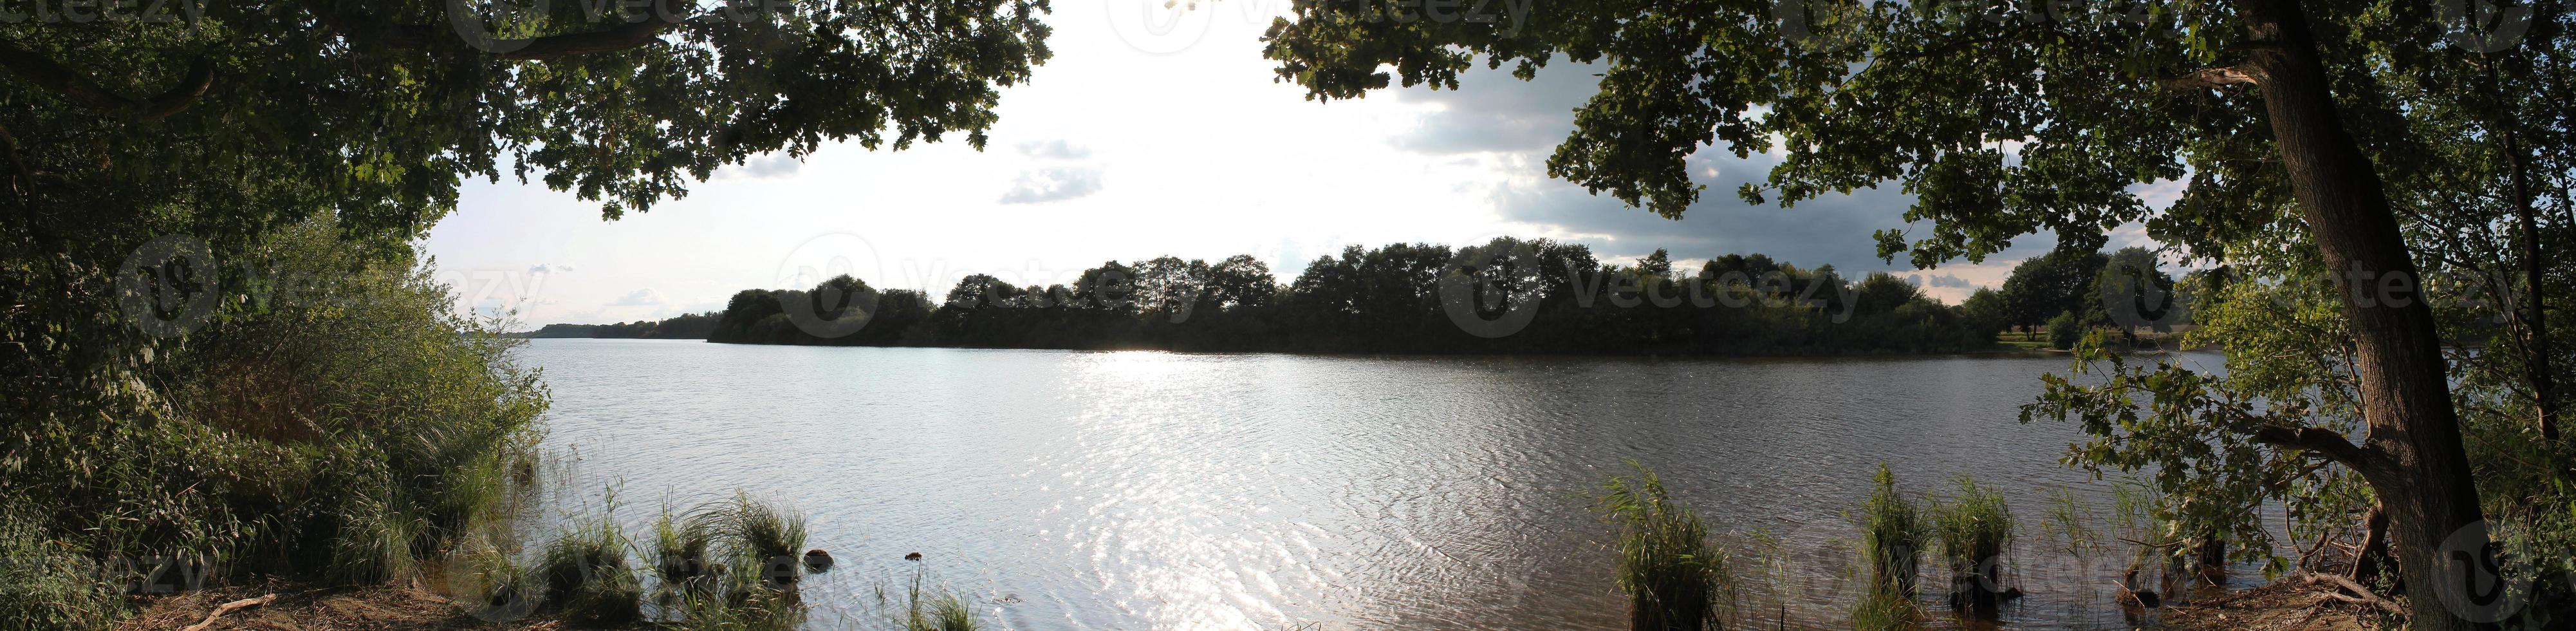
2536, 325
2413, 457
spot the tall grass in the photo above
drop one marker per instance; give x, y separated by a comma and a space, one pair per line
1975, 526
586, 574
760, 535
1675, 577
680, 553
1892, 536
936, 609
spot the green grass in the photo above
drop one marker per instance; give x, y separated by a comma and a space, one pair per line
1881, 608
1674, 575
1975, 526
936, 609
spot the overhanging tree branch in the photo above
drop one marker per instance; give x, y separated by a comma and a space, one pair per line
2210, 79
77, 88
2324, 442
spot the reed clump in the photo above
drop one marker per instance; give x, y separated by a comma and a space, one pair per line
758, 535
1975, 526
1675, 577
586, 573
1892, 537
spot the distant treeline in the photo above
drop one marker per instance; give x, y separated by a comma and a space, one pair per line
694, 326
1506, 296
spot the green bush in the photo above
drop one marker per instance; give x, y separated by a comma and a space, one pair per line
1674, 576
2065, 330
333, 420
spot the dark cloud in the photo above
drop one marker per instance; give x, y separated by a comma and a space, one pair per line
1053, 184
1493, 112
1947, 280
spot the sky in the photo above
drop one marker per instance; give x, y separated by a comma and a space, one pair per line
1153, 131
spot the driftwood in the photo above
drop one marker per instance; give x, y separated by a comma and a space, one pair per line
226, 608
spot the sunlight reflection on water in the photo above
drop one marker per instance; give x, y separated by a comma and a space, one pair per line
1181, 491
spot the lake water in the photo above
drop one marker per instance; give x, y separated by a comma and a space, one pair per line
1149, 490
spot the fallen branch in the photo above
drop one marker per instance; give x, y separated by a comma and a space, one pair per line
226, 608
2360, 595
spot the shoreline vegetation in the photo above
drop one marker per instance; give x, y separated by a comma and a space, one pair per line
1506, 296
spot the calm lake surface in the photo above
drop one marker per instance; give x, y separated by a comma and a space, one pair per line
1149, 490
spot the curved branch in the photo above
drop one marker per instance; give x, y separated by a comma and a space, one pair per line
77, 88
609, 40
2211, 79
201, 75
2324, 442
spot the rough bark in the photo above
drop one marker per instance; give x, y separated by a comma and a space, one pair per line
2413, 457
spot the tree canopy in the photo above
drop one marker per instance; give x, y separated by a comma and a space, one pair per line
2370, 145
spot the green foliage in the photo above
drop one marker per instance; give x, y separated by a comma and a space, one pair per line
1674, 575
2065, 330
46, 585
340, 424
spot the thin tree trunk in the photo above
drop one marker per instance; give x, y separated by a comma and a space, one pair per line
2413, 457
2535, 363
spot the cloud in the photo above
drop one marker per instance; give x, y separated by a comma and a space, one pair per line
1491, 111
1057, 149
638, 298
1053, 184
548, 268
763, 167
1946, 280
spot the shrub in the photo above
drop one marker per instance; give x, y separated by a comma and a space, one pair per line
336, 418
1673, 575
2065, 330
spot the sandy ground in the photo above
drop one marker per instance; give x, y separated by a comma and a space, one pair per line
2283, 606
